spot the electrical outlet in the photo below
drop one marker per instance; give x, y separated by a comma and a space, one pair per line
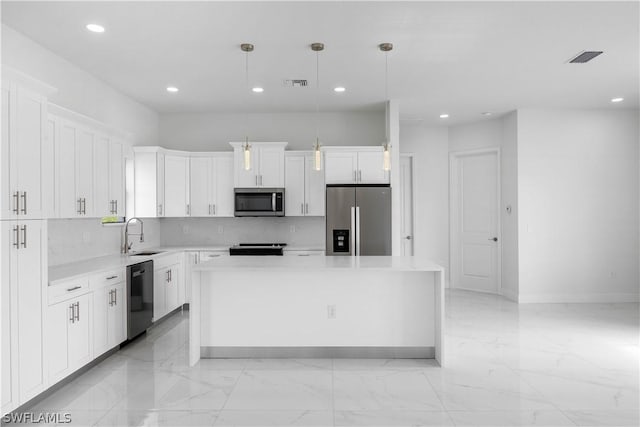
612, 274
86, 237
292, 229
220, 229
331, 312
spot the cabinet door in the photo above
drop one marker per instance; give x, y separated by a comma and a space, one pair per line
271, 167
294, 186
84, 171
99, 311
68, 200
223, 186
160, 278
8, 166
172, 289
49, 168
370, 168
116, 324
200, 186
176, 178
8, 299
160, 175
31, 275
340, 167
79, 335
116, 177
102, 203
28, 148
246, 178
314, 190
58, 318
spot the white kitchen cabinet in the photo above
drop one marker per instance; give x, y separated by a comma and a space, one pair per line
102, 205
355, 165
304, 185
267, 165
26, 156
109, 315
23, 280
68, 336
168, 285
211, 185
149, 182
116, 178
176, 186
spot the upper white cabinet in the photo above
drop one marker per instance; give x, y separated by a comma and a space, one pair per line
176, 186
89, 168
266, 168
24, 279
304, 186
148, 182
27, 156
211, 185
355, 165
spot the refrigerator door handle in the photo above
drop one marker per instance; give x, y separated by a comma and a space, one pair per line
357, 230
353, 230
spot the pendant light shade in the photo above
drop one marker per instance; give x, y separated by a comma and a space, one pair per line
386, 155
317, 162
246, 48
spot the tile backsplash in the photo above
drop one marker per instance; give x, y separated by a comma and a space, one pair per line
76, 239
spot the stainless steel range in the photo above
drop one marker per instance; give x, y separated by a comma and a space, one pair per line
276, 249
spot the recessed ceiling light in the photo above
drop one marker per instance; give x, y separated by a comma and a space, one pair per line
172, 89
617, 100
258, 89
95, 28
339, 89
486, 113
444, 116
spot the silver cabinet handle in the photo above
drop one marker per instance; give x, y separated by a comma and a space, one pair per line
360, 175
110, 298
72, 315
214, 208
78, 311
16, 202
261, 180
16, 242
301, 208
167, 276
357, 230
256, 180
112, 277
84, 206
115, 297
110, 206
171, 275
74, 288
24, 236
24, 202
115, 209
353, 230
355, 176
79, 206
209, 209
188, 209
306, 208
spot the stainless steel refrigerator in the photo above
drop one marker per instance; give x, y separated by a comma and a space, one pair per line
358, 220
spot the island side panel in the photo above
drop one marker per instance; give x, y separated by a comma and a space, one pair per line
438, 284
280, 308
194, 317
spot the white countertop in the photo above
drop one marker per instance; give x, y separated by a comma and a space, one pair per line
369, 263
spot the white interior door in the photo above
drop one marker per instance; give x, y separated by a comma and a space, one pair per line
475, 221
406, 205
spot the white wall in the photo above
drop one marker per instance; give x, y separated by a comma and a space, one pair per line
509, 197
214, 131
78, 90
578, 205
306, 231
76, 239
429, 144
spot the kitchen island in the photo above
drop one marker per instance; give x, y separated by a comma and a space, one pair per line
317, 306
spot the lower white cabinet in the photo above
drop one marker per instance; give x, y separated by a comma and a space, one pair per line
109, 328
68, 336
168, 286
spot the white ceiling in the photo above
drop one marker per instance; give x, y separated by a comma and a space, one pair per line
459, 58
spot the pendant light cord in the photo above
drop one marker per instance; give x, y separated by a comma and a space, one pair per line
246, 76
317, 96
386, 76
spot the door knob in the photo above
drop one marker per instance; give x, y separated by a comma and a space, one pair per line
408, 237
495, 239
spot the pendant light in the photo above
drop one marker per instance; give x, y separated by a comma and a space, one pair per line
246, 48
317, 163
386, 154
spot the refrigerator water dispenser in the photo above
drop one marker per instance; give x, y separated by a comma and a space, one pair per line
340, 240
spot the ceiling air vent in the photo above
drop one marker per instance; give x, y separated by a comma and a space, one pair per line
585, 56
295, 83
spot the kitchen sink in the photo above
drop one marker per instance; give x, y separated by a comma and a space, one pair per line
146, 253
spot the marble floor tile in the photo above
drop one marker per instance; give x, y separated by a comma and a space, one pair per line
118, 418
384, 364
605, 418
208, 390
392, 418
282, 390
383, 390
289, 364
548, 418
275, 418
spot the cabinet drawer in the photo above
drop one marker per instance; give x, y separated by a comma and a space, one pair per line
105, 278
167, 260
67, 289
207, 255
303, 253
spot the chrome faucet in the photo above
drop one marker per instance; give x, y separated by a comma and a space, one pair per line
127, 245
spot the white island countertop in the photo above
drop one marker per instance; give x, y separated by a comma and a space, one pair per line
369, 263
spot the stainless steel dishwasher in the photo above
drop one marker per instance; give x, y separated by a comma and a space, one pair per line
139, 298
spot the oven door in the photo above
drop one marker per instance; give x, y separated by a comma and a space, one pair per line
259, 202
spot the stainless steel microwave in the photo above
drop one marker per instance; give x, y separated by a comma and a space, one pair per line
259, 201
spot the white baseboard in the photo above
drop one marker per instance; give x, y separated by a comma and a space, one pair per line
509, 294
578, 298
